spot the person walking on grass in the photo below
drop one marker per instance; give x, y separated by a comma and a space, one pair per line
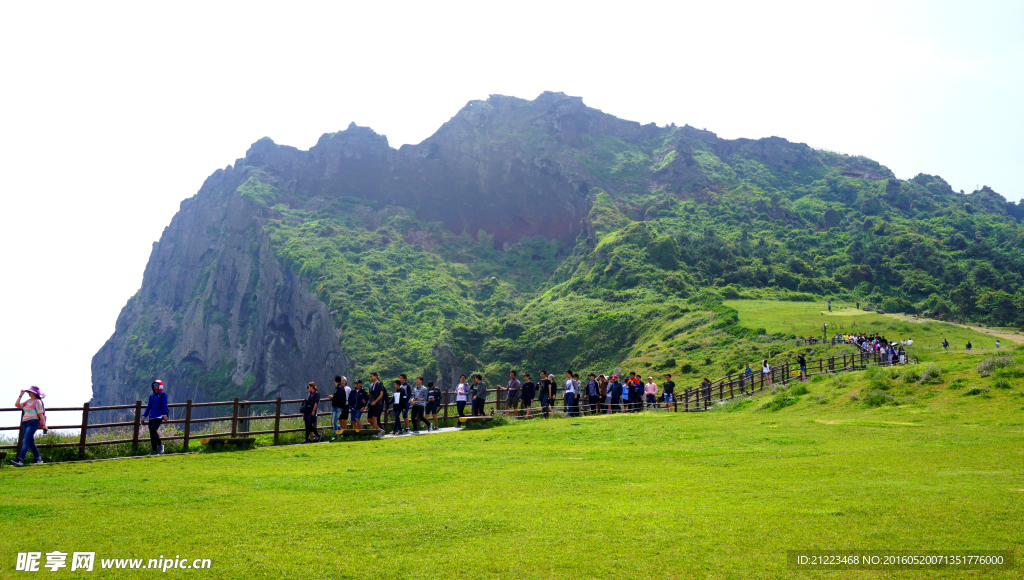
419, 406
33, 418
651, 393
357, 400
462, 395
802, 361
309, 410
479, 395
401, 403
529, 393
339, 405
434, 396
156, 413
376, 406
766, 371
512, 397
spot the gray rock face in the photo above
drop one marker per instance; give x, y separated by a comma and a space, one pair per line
217, 315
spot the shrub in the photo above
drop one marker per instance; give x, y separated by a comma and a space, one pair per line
877, 398
976, 391
779, 402
932, 375
994, 363
1010, 372
910, 375
798, 390
1001, 384
708, 361
958, 383
733, 405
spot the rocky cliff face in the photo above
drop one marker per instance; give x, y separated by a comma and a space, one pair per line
217, 315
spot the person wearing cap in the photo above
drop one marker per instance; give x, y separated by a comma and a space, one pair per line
33, 418
651, 393
156, 413
357, 400
339, 405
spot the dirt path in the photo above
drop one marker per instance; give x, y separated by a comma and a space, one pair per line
1013, 336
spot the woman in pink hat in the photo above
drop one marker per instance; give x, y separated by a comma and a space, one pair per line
33, 416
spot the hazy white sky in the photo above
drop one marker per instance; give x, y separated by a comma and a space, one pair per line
111, 114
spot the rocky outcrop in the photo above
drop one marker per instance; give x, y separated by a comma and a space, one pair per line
217, 315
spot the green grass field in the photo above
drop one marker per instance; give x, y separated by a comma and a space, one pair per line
807, 318
867, 460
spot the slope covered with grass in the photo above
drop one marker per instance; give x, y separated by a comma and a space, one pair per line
719, 494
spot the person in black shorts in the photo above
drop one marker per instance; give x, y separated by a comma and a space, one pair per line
529, 392
376, 406
434, 396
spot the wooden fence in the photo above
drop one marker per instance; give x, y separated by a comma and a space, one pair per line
694, 399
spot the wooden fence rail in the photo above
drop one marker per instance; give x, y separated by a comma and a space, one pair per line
693, 399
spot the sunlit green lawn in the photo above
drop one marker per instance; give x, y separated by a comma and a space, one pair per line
807, 318
714, 495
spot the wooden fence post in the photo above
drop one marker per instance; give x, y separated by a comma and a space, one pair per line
138, 421
446, 406
188, 423
277, 421
234, 418
85, 428
21, 435
244, 410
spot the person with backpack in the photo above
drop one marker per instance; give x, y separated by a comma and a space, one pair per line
357, 400
462, 395
479, 395
376, 406
419, 406
529, 393
339, 405
309, 410
33, 418
512, 397
615, 388
802, 361
434, 397
156, 412
401, 403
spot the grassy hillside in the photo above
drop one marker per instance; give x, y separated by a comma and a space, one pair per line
720, 494
807, 319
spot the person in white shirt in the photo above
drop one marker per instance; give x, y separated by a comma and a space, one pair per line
571, 390
766, 371
462, 395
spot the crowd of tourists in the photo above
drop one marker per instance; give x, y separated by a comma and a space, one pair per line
600, 394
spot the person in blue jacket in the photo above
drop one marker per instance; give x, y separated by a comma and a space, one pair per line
156, 412
616, 389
